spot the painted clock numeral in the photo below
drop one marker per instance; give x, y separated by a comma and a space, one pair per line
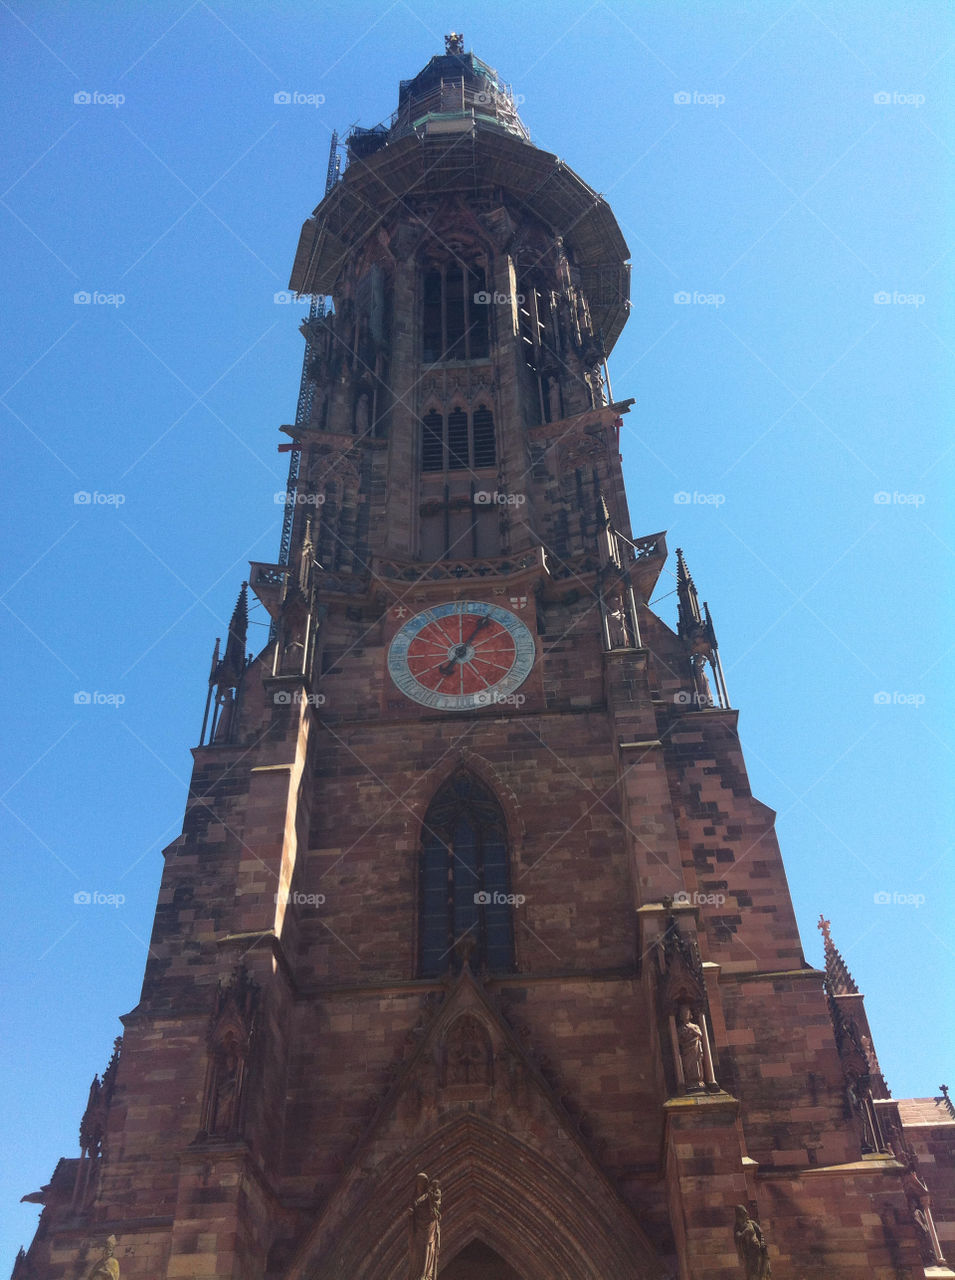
460, 655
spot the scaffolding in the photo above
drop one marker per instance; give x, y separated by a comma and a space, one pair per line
306, 391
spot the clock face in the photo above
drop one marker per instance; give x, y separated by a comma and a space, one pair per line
458, 656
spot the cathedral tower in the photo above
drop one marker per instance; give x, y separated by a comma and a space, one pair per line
471, 880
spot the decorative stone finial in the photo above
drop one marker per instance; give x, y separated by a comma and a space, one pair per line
454, 42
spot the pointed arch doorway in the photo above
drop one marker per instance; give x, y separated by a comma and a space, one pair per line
478, 1261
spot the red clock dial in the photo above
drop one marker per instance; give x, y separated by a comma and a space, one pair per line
461, 654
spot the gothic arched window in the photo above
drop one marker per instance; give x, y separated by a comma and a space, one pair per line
464, 882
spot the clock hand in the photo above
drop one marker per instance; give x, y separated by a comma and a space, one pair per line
461, 651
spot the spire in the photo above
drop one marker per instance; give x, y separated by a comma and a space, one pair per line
233, 661
690, 617
838, 977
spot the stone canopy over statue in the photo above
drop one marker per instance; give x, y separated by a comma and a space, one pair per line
424, 1231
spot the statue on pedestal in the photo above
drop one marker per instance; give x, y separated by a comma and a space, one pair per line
424, 1230
690, 1039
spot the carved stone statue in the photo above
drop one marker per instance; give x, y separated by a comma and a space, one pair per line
690, 1039
424, 1231
225, 1100
751, 1246
107, 1268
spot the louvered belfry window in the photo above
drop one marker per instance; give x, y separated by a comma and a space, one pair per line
455, 313
457, 442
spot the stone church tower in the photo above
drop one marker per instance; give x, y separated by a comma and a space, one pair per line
471, 882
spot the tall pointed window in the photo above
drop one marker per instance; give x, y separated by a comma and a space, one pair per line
464, 880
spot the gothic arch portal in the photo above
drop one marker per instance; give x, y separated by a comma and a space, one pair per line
545, 1220
477, 1261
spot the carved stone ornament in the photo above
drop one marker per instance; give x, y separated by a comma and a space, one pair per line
230, 1039
467, 1053
751, 1247
106, 1266
424, 1229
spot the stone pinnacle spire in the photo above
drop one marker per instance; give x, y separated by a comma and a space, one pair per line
838, 977
233, 661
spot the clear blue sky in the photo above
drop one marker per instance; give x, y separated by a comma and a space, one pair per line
783, 187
